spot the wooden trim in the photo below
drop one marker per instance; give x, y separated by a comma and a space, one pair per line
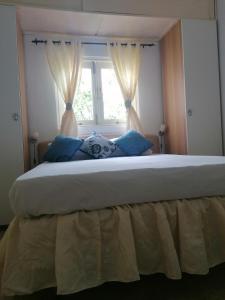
174, 100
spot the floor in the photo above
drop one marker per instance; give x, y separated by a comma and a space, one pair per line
1, 234
157, 287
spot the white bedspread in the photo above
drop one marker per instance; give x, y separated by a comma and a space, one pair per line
60, 188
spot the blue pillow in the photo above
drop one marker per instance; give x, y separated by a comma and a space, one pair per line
118, 152
62, 149
98, 146
80, 155
133, 143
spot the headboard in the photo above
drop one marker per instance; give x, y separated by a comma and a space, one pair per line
43, 146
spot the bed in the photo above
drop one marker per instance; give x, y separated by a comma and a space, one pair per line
79, 224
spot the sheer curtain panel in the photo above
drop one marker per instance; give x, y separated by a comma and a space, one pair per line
126, 63
64, 61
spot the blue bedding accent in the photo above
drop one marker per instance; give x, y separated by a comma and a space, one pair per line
62, 149
133, 143
80, 155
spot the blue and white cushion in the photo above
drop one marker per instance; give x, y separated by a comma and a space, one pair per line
98, 146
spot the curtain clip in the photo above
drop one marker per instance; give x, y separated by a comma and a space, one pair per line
128, 104
69, 106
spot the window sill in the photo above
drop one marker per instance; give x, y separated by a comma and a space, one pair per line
113, 130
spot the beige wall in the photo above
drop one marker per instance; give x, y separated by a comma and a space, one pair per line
201, 9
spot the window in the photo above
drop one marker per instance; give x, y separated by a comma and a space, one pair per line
98, 99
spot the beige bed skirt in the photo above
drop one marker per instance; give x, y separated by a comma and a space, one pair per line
84, 249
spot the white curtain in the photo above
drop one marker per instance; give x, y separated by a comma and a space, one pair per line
65, 64
126, 63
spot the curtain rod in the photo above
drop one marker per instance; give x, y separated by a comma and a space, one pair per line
36, 41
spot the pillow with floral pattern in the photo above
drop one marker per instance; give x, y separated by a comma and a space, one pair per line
98, 146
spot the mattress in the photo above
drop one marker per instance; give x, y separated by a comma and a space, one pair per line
61, 188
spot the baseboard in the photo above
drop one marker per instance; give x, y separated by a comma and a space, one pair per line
3, 227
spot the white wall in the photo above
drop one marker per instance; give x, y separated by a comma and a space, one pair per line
11, 158
201, 72
202, 9
41, 94
150, 90
158, 8
221, 37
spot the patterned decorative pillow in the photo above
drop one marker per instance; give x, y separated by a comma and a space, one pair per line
98, 146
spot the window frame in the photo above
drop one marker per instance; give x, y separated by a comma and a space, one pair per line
96, 64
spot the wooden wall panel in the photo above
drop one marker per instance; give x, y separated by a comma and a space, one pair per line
174, 91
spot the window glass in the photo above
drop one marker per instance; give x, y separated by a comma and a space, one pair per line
112, 97
98, 99
83, 103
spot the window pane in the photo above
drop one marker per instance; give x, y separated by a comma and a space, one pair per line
83, 105
114, 108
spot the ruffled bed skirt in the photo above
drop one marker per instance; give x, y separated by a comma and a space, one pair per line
84, 249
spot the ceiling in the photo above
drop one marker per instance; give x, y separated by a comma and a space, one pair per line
89, 24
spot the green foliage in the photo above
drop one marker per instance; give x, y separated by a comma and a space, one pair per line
84, 106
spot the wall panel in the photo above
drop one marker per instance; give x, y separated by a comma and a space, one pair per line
174, 91
201, 9
170, 8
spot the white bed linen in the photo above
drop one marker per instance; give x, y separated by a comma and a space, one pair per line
60, 188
